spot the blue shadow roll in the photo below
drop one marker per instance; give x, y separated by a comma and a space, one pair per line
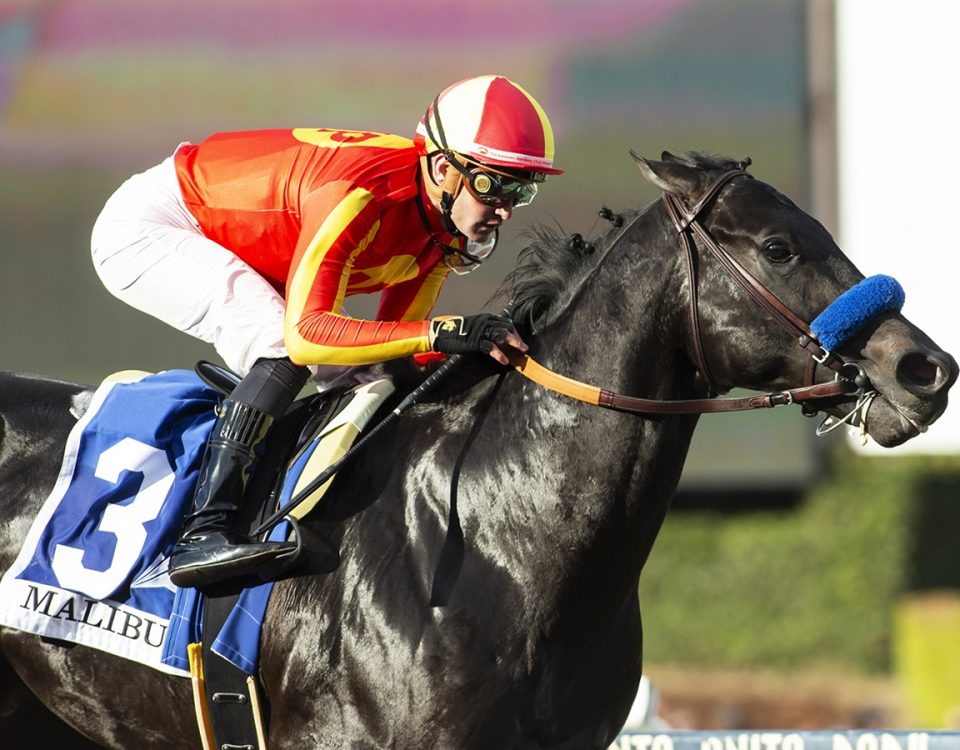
853, 309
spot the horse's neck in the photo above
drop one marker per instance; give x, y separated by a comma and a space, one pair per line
626, 327
593, 483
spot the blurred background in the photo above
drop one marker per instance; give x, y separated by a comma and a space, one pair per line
799, 582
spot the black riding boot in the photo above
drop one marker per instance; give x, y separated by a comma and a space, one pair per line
210, 550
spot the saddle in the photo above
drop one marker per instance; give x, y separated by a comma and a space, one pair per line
315, 433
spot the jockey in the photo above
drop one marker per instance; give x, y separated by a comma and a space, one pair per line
252, 240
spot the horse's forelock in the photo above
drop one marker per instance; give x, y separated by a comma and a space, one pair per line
706, 162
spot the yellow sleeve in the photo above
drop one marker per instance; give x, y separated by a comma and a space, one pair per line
339, 222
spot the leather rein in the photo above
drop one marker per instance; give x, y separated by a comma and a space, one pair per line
688, 226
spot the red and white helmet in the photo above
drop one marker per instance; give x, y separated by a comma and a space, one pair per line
491, 120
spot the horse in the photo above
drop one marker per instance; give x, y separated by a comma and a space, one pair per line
539, 644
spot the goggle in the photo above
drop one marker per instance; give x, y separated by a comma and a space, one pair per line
495, 188
488, 185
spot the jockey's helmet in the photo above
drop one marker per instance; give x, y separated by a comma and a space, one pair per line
496, 137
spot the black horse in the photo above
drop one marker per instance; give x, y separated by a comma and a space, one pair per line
560, 502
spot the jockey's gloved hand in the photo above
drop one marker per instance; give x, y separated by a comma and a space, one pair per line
483, 333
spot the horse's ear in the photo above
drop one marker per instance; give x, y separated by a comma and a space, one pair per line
670, 175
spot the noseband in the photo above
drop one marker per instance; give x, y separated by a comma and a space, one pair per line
849, 378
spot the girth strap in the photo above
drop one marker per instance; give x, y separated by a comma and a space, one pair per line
232, 698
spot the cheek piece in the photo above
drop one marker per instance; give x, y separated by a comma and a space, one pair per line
856, 307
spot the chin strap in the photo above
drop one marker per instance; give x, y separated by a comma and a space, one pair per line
460, 260
449, 190
444, 195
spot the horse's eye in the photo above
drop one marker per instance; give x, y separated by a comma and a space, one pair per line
777, 251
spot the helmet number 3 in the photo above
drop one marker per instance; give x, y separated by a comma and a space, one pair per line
125, 522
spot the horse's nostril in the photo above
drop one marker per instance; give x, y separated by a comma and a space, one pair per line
920, 371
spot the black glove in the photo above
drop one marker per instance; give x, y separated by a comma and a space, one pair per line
469, 334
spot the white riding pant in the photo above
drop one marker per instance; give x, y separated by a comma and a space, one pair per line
149, 252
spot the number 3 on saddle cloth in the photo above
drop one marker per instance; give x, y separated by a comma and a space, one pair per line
92, 569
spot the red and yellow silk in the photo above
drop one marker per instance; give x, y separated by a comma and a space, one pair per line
323, 215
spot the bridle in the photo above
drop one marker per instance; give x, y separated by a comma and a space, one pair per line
849, 377
687, 224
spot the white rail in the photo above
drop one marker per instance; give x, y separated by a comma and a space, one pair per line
786, 740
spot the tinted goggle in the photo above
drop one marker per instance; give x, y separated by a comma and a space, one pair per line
495, 188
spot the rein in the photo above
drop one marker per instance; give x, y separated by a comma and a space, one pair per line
591, 394
687, 223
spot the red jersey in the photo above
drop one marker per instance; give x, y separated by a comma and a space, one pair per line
322, 215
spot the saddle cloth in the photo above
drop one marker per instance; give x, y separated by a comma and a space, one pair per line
92, 569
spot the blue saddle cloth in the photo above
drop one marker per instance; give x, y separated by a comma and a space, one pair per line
92, 569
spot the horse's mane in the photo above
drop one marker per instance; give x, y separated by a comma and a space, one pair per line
550, 267
547, 267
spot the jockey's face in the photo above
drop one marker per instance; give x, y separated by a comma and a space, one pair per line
478, 221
